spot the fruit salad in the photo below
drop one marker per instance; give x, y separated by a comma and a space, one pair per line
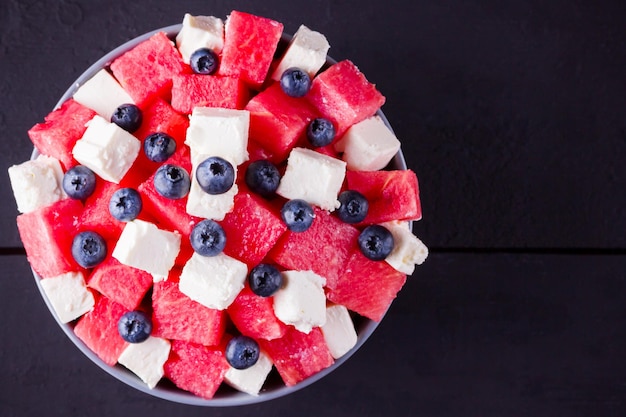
218, 206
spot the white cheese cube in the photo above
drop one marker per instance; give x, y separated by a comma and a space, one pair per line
144, 246
338, 331
219, 132
408, 250
250, 380
301, 301
146, 359
103, 94
37, 183
68, 295
205, 205
307, 51
106, 149
200, 32
313, 177
213, 281
368, 145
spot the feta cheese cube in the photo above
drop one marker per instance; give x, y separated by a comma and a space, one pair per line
307, 51
213, 281
368, 145
146, 359
301, 301
313, 177
103, 94
144, 246
338, 331
37, 183
68, 295
106, 149
250, 380
200, 32
408, 250
219, 132
205, 205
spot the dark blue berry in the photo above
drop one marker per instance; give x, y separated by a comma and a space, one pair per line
376, 242
172, 181
79, 182
204, 61
353, 206
88, 249
320, 132
208, 238
242, 352
125, 204
298, 215
295, 82
134, 326
128, 117
262, 177
215, 175
159, 146
265, 280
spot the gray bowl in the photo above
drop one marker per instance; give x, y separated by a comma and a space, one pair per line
225, 396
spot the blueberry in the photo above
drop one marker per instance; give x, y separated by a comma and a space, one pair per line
79, 182
125, 204
242, 352
134, 326
320, 132
88, 249
265, 280
128, 117
159, 146
262, 177
203, 61
172, 181
298, 215
207, 238
353, 206
376, 242
295, 82
215, 175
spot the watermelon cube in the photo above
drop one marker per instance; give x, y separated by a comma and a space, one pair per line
254, 316
249, 46
47, 235
146, 71
196, 368
194, 90
392, 195
366, 287
343, 95
96, 215
60, 130
297, 355
98, 330
160, 116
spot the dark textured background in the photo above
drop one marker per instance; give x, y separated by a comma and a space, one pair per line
513, 115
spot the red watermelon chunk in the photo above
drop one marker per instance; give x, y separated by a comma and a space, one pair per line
277, 121
367, 287
249, 46
392, 195
297, 355
160, 116
47, 235
254, 316
196, 368
60, 130
120, 283
96, 215
251, 228
176, 316
193, 90
324, 248
146, 71
343, 94
98, 330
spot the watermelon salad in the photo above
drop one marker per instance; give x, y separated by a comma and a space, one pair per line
218, 206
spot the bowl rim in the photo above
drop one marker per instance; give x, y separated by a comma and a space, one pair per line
174, 394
